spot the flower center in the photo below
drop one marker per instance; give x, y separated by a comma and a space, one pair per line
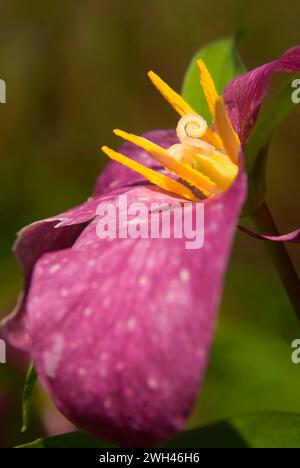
199, 154
206, 158
190, 129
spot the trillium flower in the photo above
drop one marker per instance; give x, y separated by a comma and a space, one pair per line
120, 331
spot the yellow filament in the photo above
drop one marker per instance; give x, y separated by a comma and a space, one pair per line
161, 180
184, 171
182, 107
229, 137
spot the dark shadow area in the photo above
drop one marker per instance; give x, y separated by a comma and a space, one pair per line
219, 435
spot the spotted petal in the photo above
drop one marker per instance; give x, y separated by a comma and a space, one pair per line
121, 330
51, 234
59, 232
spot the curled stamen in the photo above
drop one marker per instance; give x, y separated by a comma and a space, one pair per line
190, 129
193, 126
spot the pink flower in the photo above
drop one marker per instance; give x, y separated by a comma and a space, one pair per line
120, 332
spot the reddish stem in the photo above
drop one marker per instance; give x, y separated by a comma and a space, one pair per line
288, 275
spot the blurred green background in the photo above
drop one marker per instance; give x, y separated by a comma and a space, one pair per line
75, 70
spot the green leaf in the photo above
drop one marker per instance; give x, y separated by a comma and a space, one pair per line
264, 430
223, 61
30, 380
258, 145
69, 440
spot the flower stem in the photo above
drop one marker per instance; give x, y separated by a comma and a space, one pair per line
288, 275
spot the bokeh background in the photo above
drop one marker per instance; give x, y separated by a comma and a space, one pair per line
74, 71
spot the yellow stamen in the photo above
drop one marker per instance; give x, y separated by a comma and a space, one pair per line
217, 166
184, 171
194, 161
176, 101
208, 87
161, 180
226, 131
213, 138
182, 107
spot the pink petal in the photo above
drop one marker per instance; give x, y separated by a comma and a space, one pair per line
60, 231
121, 330
293, 236
245, 93
33, 241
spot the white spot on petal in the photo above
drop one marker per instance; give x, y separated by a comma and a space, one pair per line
184, 275
53, 355
88, 311
131, 324
152, 383
103, 356
54, 268
142, 281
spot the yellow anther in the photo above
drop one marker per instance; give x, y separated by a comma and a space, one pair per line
226, 131
184, 171
208, 87
161, 180
182, 107
204, 159
176, 101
